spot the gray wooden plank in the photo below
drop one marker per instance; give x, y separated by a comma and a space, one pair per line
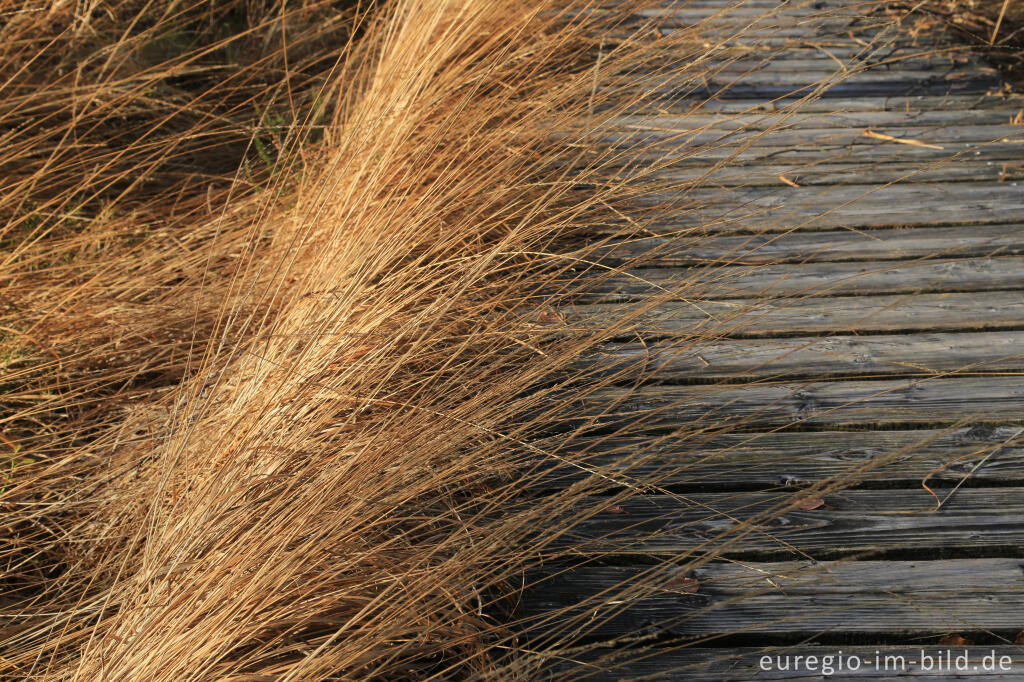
740, 11
867, 84
897, 597
917, 355
817, 5
925, 64
811, 315
986, 167
754, 21
852, 521
667, 157
984, 399
732, 664
904, 102
685, 12
818, 279
667, 140
805, 5
799, 247
785, 81
819, 120
763, 209
760, 28
992, 454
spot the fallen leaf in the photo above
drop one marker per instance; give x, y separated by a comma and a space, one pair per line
809, 503
551, 318
902, 140
616, 510
684, 584
954, 640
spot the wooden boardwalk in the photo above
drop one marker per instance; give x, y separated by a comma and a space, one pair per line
879, 236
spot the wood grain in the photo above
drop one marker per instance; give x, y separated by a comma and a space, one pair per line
815, 247
852, 521
767, 317
763, 209
698, 462
915, 355
806, 598
984, 399
818, 279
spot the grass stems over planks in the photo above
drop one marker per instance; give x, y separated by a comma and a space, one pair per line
996, 28
283, 423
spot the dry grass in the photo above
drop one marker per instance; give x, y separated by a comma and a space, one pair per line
997, 25
283, 423
252, 424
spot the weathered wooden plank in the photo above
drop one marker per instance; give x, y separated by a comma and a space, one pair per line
873, 153
918, 355
729, 39
820, 120
763, 209
785, 80
853, 521
895, 597
817, 5
741, 12
807, 5
761, 28
818, 279
811, 61
808, 247
985, 454
761, 18
905, 102
813, 315
789, 136
985, 167
684, 12
732, 664
984, 399
867, 84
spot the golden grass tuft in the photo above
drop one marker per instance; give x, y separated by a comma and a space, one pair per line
285, 365
277, 429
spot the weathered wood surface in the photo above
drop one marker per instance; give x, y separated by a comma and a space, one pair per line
766, 317
988, 166
746, 81
787, 136
839, 61
708, 664
984, 399
697, 462
862, 84
830, 119
907, 103
798, 597
866, 154
866, 324
763, 209
820, 247
852, 521
819, 279
817, 357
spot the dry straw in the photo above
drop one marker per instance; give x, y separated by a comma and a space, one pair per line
287, 370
